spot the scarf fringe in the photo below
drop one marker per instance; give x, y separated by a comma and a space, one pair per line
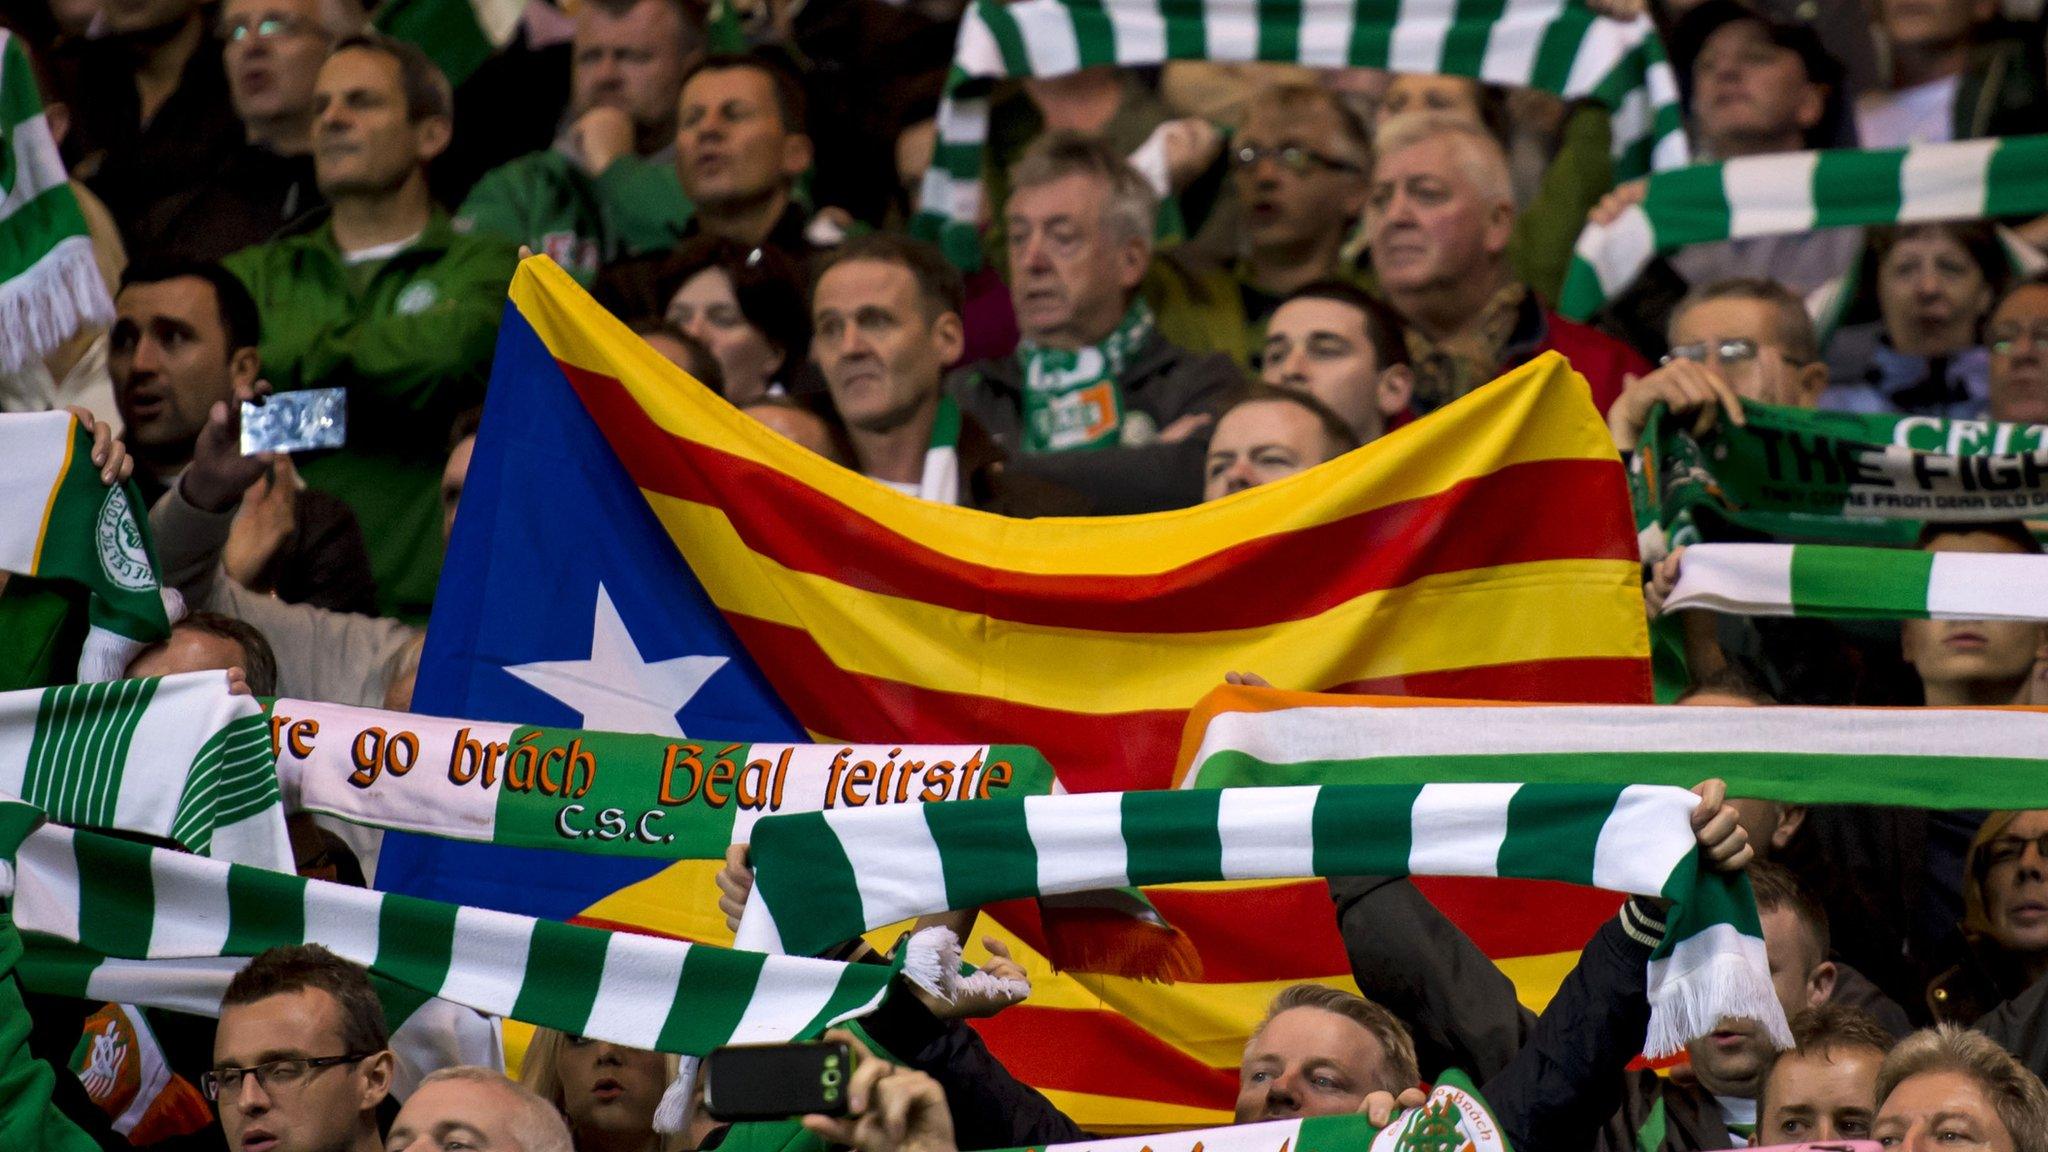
1721, 986
106, 654
44, 306
679, 1100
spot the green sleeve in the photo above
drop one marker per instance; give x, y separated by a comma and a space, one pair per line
495, 207
433, 362
1579, 175
645, 202
29, 1120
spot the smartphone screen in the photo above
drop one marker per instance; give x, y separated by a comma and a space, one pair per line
777, 1081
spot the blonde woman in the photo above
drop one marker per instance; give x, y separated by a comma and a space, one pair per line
606, 1092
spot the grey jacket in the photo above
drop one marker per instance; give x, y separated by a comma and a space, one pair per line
1163, 381
338, 657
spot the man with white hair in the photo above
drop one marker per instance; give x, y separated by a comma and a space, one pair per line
1439, 218
1095, 397
471, 1107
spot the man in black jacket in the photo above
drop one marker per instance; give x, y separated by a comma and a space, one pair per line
1095, 397
1555, 1090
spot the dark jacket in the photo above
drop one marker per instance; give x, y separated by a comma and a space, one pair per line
145, 173
1552, 1095
988, 482
1163, 381
2020, 1025
324, 562
254, 196
2000, 93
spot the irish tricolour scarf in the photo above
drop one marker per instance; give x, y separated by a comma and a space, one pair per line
178, 758
1944, 758
59, 522
49, 281
1829, 581
1791, 192
1548, 44
129, 901
826, 877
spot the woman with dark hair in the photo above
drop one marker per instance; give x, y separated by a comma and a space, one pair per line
1918, 349
745, 304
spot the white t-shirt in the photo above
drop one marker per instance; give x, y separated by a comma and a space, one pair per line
379, 251
1922, 114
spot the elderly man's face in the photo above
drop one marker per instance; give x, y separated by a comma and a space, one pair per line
1310, 1062
273, 54
1071, 269
1431, 225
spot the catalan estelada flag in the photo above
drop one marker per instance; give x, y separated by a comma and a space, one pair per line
634, 553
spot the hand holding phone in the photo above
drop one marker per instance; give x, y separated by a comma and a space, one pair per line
777, 1081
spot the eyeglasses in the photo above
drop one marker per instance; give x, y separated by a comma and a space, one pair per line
2009, 849
1730, 353
273, 1075
1298, 160
265, 28
2004, 338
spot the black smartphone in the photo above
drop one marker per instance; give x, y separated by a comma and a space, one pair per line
777, 1081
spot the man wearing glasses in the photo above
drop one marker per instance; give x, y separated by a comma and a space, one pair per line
2017, 335
1298, 167
301, 1059
1732, 341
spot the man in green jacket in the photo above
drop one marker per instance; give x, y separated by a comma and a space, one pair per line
608, 188
385, 299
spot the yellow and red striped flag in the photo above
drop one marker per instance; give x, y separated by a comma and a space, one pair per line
1484, 552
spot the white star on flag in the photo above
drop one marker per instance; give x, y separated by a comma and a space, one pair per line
616, 689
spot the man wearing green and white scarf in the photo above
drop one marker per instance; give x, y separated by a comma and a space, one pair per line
1095, 398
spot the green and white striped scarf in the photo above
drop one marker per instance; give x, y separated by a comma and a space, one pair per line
459, 35
822, 878
1832, 582
177, 757
605, 793
1837, 477
1453, 1119
1792, 192
60, 523
426, 1032
129, 901
1553, 45
49, 282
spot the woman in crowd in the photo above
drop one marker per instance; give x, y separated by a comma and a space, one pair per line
1922, 354
745, 304
2005, 919
607, 1093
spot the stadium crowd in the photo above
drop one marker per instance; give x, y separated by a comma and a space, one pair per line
1197, 278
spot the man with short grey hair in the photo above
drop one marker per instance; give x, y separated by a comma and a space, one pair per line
472, 1107
1094, 397
1439, 217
